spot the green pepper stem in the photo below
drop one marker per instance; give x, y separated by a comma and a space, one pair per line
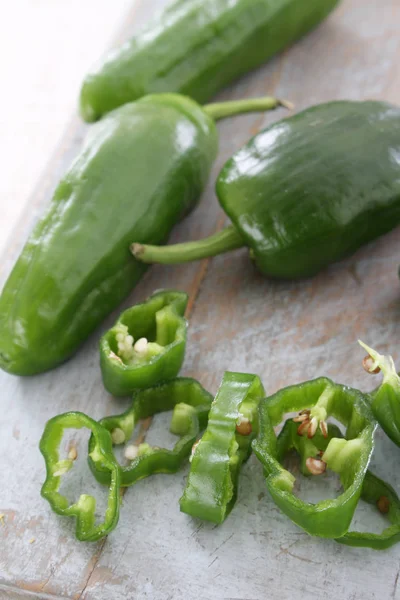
222, 110
222, 241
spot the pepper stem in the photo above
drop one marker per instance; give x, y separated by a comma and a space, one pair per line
222, 241
222, 110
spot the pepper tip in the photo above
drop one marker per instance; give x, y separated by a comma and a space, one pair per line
136, 249
287, 104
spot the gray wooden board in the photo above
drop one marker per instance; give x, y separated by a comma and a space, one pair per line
286, 332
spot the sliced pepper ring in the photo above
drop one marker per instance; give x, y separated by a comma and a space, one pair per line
374, 491
211, 488
84, 508
382, 495
190, 403
146, 345
348, 457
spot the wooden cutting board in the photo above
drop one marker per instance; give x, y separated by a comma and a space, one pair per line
285, 332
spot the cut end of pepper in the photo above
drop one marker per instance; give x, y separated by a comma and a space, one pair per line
137, 250
375, 362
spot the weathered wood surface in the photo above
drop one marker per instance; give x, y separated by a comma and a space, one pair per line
286, 332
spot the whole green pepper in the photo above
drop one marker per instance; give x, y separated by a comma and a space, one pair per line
190, 403
146, 345
318, 400
141, 169
197, 47
306, 191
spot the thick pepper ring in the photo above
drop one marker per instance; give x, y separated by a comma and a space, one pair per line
349, 457
146, 345
374, 491
190, 403
102, 452
211, 488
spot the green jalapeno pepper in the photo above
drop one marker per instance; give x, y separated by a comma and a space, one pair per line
146, 345
317, 400
141, 169
197, 47
211, 488
333, 169
84, 508
385, 400
374, 490
190, 403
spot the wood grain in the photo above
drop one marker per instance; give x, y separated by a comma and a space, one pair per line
286, 332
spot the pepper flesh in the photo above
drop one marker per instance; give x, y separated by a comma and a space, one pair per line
374, 490
84, 508
385, 400
191, 404
197, 47
211, 488
332, 168
349, 458
141, 169
160, 323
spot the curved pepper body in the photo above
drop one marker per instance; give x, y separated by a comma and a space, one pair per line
197, 47
141, 169
313, 188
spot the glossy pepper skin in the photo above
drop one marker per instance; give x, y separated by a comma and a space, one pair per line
307, 191
141, 169
374, 491
190, 403
196, 47
385, 400
146, 345
211, 488
84, 509
317, 400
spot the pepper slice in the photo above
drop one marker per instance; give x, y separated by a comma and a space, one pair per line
211, 488
382, 495
347, 457
190, 403
374, 490
84, 508
146, 345
386, 398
